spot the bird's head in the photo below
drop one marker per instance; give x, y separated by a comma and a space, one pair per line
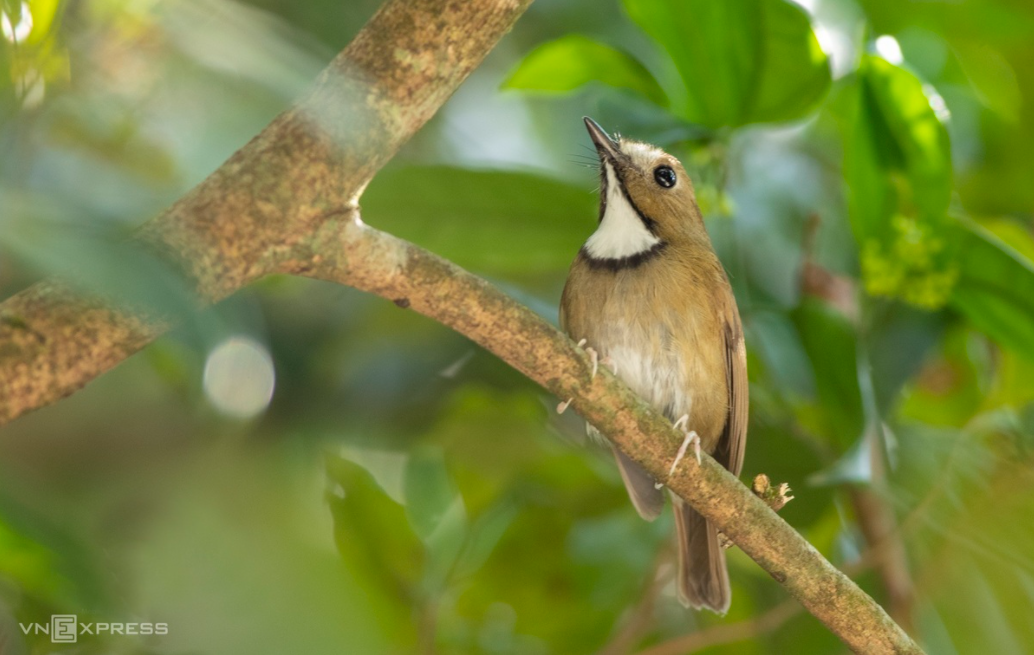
646, 199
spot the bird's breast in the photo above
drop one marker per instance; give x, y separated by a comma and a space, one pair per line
645, 355
656, 341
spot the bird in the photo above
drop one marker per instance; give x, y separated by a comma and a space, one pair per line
650, 297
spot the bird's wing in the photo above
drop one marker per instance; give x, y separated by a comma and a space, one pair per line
734, 436
647, 499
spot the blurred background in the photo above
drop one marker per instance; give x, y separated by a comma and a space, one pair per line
304, 468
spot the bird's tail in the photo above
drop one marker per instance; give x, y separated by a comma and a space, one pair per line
703, 580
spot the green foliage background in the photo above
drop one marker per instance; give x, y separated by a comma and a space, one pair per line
865, 169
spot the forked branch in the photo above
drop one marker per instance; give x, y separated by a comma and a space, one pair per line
286, 202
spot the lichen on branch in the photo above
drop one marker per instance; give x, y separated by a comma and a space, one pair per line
286, 202
357, 255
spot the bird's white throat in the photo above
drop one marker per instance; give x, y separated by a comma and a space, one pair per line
621, 232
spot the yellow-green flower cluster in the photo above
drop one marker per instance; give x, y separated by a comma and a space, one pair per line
914, 267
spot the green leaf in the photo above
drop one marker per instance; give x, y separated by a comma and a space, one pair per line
898, 156
485, 533
995, 290
237, 530
430, 493
436, 511
574, 60
920, 148
794, 71
494, 222
742, 61
371, 530
853, 467
831, 343
43, 14
897, 165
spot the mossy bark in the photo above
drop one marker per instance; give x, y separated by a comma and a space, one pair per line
287, 202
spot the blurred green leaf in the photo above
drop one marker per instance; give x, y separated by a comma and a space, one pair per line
504, 223
245, 535
899, 340
992, 77
43, 14
951, 385
437, 513
574, 60
996, 289
30, 565
372, 532
485, 534
430, 492
855, 466
897, 165
523, 543
898, 101
1015, 233
897, 153
831, 343
776, 340
742, 61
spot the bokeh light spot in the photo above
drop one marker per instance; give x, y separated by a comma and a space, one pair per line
239, 377
17, 32
889, 49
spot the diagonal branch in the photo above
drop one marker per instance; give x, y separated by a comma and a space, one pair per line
286, 202
349, 252
235, 227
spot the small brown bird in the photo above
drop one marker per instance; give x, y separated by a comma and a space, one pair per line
648, 293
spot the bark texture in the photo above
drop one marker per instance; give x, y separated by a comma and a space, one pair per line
311, 163
287, 202
352, 253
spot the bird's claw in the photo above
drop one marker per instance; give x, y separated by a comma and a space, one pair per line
680, 424
691, 438
594, 357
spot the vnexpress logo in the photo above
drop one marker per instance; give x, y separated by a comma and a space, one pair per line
66, 628
63, 628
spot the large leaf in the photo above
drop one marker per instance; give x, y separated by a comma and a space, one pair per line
898, 156
920, 148
430, 492
897, 165
574, 60
372, 531
494, 222
996, 289
437, 513
742, 61
831, 343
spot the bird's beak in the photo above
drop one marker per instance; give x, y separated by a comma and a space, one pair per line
606, 147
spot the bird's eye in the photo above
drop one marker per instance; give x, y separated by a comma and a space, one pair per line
665, 176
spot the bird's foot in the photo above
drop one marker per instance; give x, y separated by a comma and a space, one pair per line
594, 357
691, 438
596, 360
680, 424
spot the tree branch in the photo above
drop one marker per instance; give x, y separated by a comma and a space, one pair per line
286, 202
349, 252
311, 162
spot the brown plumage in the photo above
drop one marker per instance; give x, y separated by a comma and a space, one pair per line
648, 292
